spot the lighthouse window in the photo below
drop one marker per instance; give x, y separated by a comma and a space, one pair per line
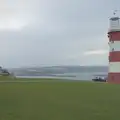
112, 49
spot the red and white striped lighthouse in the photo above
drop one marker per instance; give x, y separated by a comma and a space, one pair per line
114, 50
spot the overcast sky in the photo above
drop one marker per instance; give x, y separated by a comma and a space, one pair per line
54, 32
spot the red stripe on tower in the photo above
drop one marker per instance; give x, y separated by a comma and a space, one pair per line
114, 53
114, 56
114, 36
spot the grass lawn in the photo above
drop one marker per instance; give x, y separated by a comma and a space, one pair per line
59, 101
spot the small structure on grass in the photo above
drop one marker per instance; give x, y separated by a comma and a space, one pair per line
5, 72
100, 78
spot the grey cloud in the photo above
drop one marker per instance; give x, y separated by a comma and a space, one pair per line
56, 32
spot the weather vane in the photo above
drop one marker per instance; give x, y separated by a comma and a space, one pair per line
114, 13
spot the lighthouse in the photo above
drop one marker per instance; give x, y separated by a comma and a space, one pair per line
114, 50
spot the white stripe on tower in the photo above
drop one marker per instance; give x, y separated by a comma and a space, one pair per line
114, 67
114, 51
114, 46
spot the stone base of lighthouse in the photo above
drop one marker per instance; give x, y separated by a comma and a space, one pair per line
113, 78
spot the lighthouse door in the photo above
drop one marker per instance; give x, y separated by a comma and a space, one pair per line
112, 78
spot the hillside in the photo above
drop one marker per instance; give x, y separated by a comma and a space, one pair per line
58, 70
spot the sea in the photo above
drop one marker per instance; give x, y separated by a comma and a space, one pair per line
70, 76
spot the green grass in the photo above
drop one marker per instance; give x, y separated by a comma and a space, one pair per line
5, 77
52, 100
